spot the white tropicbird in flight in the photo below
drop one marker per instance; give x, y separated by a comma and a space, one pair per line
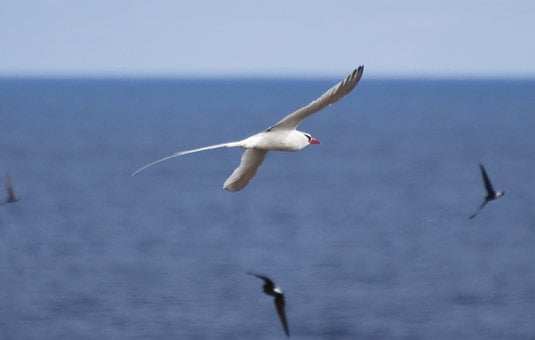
283, 136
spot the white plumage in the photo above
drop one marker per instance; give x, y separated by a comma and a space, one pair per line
282, 136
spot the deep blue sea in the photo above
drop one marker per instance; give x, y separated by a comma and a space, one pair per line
367, 233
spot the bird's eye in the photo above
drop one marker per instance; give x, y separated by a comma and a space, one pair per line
308, 137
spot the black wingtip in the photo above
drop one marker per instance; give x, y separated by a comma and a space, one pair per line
257, 275
261, 277
358, 70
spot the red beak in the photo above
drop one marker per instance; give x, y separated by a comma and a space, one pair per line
314, 140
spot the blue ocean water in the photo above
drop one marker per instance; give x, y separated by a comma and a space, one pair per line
367, 233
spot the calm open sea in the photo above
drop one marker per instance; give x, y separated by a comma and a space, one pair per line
367, 234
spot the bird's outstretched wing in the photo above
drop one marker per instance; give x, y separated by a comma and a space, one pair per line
332, 95
279, 305
9, 186
486, 181
181, 153
9, 189
266, 279
250, 161
480, 207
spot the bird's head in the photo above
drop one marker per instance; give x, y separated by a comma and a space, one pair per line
311, 140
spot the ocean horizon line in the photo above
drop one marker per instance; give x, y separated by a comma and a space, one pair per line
259, 76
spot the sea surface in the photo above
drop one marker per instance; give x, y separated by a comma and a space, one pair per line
367, 233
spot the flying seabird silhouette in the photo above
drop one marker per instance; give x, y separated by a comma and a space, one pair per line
11, 198
491, 193
272, 290
283, 136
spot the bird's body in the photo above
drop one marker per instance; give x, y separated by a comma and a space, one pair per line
489, 188
11, 198
278, 140
283, 136
271, 289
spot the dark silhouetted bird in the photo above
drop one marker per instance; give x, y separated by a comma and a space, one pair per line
271, 289
491, 193
11, 198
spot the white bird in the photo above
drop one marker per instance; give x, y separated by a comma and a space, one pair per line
283, 136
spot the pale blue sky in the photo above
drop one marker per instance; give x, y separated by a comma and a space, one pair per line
412, 38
